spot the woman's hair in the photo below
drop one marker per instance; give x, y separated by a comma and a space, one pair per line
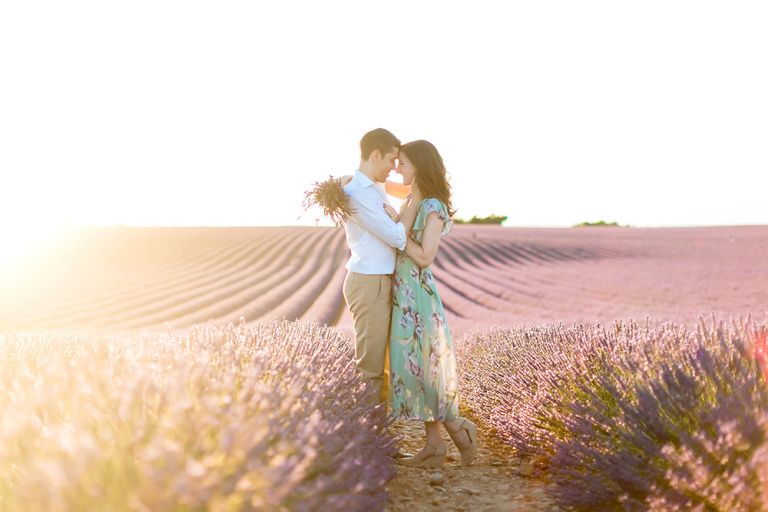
430, 171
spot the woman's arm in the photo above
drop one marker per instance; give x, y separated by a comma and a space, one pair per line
397, 190
425, 253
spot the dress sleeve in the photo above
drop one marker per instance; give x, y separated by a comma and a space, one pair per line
428, 206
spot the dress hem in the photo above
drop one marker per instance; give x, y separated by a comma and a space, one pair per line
416, 418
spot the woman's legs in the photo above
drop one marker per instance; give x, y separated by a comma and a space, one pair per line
434, 435
464, 435
460, 438
433, 454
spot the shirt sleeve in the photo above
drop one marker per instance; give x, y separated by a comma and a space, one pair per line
370, 214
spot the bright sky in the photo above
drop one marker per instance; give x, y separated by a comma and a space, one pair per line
650, 113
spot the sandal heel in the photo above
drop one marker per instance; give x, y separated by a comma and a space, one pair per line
468, 453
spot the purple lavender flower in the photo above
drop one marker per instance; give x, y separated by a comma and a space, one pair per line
631, 417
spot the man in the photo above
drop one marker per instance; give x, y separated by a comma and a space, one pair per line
372, 237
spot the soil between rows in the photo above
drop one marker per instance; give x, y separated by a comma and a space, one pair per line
493, 483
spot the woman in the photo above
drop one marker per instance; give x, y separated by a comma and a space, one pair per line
423, 380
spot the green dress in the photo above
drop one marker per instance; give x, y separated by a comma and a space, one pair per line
422, 360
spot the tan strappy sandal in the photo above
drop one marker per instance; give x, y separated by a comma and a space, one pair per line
433, 458
468, 453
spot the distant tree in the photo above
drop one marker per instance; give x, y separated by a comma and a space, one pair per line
600, 223
491, 219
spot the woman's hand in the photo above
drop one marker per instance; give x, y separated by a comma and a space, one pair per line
392, 213
408, 213
345, 180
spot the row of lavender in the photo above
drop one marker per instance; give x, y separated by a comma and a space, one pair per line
631, 417
245, 417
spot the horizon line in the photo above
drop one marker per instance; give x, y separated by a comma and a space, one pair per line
520, 226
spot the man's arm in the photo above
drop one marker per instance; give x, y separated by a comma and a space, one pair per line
370, 214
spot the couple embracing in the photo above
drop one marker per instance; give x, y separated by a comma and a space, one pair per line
391, 293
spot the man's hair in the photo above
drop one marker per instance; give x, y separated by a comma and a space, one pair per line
380, 139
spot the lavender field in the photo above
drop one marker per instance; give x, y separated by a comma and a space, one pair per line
244, 417
149, 369
123, 279
631, 416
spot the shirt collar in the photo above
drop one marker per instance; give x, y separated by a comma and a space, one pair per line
363, 179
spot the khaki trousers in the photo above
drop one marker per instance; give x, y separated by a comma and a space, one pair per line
369, 298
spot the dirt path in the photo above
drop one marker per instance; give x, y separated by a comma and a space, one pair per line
495, 482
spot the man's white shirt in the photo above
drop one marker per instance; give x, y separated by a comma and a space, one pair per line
372, 236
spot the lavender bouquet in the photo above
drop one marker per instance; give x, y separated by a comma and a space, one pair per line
329, 195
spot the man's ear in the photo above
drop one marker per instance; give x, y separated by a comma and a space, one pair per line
375, 155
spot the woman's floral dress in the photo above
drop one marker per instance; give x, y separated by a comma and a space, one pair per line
422, 360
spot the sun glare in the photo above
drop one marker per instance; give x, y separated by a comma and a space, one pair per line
20, 240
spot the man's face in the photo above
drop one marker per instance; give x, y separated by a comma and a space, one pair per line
386, 164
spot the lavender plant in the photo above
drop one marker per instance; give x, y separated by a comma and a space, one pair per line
663, 417
518, 379
720, 464
698, 396
243, 417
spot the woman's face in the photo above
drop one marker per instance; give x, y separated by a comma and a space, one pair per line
406, 168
